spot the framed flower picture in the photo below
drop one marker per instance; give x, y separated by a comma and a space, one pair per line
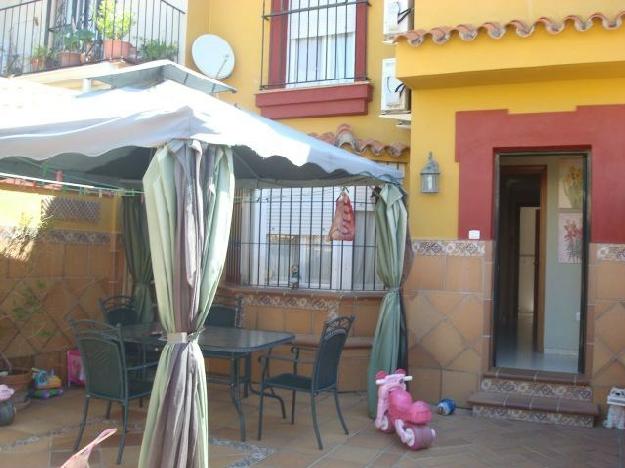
571, 184
570, 237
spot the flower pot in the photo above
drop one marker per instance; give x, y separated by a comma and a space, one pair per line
116, 49
37, 64
7, 412
69, 59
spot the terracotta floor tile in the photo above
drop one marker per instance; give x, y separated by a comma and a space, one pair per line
347, 453
329, 462
46, 431
386, 459
290, 458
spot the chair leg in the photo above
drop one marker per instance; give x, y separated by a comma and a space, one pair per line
260, 410
313, 407
108, 409
122, 439
82, 423
277, 397
338, 410
293, 407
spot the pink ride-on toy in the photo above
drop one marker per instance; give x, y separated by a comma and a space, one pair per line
398, 413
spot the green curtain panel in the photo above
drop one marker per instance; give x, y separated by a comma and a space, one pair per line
189, 191
391, 224
138, 258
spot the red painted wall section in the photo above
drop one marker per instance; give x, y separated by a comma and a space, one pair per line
600, 129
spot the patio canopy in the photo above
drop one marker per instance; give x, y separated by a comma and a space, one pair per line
189, 149
111, 133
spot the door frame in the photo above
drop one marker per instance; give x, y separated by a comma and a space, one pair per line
586, 158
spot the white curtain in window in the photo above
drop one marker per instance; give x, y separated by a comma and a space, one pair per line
322, 42
364, 271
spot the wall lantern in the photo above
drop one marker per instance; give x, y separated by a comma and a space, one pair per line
429, 176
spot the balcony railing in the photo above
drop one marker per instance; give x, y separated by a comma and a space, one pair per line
40, 35
312, 42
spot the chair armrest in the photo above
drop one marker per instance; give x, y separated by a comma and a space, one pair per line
142, 366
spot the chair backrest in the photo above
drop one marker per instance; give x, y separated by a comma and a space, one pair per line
118, 310
331, 344
102, 352
224, 312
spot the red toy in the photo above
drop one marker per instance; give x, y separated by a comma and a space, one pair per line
398, 413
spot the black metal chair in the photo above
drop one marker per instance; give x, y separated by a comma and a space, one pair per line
118, 310
324, 372
107, 375
227, 313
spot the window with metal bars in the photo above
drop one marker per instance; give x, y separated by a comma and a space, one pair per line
315, 42
279, 238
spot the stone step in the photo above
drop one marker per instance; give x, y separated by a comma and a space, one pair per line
534, 408
538, 389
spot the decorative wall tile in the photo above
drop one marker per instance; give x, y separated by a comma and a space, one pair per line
70, 209
457, 248
538, 389
289, 301
533, 416
611, 252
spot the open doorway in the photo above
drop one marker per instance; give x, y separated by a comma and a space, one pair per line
540, 262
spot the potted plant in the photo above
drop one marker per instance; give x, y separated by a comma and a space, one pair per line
155, 49
85, 37
70, 55
40, 58
114, 25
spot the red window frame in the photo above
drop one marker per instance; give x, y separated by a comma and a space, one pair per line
279, 38
278, 102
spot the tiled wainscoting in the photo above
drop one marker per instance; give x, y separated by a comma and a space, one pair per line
448, 300
448, 297
303, 312
605, 343
67, 271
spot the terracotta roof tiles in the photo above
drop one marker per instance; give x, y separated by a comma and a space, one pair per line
467, 32
345, 136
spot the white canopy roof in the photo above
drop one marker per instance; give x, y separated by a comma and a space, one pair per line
106, 133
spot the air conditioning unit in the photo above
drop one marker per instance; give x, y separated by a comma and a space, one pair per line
395, 94
397, 17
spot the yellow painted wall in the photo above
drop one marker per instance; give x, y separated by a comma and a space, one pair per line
453, 12
241, 26
433, 129
20, 204
570, 54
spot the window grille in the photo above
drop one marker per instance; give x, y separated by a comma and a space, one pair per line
278, 230
314, 42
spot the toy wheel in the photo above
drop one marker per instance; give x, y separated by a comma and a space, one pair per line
411, 440
386, 425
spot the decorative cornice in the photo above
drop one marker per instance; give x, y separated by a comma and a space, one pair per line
455, 248
344, 136
495, 30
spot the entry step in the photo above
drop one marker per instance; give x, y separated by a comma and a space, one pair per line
535, 388
540, 409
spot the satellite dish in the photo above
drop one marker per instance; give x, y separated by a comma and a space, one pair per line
213, 56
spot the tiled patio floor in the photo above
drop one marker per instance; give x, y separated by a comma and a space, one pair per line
44, 432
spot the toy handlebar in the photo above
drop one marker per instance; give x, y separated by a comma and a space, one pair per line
406, 378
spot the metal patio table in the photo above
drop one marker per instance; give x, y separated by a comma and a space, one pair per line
221, 340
